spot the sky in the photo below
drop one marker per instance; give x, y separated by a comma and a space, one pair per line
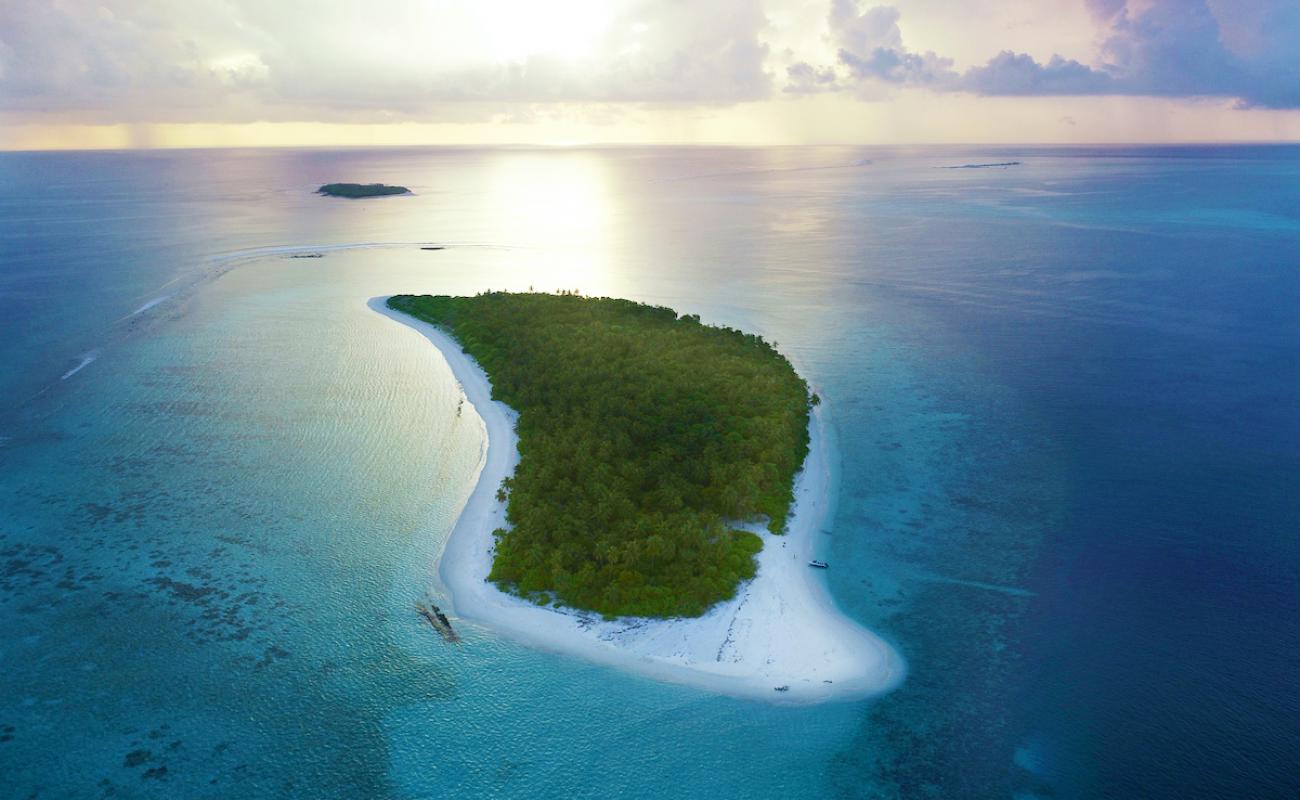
182, 73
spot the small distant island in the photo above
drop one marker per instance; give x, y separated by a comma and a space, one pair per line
984, 166
358, 190
645, 438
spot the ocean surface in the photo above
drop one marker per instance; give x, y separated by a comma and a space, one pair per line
1067, 401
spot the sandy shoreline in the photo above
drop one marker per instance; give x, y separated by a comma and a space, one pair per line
781, 629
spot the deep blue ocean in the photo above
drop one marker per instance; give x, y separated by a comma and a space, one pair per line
1066, 395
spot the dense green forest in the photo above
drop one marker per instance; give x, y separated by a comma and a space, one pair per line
641, 434
356, 190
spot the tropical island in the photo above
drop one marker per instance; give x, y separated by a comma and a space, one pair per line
355, 191
642, 436
650, 496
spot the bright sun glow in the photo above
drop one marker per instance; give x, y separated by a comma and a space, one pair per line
568, 29
554, 213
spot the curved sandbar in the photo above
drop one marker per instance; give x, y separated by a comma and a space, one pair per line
781, 629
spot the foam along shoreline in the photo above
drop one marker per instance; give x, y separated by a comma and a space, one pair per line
781, 629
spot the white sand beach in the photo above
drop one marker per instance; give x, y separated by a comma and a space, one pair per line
782, 628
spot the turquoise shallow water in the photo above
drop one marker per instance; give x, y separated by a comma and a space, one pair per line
1060, 392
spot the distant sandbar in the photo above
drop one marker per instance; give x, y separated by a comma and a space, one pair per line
355, 191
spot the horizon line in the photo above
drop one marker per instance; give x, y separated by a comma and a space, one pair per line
593, 145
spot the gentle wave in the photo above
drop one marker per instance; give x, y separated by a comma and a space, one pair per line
149, 305
85, 361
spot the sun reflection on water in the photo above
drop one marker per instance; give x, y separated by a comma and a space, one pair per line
558, 210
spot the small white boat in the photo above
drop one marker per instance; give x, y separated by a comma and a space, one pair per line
818, 564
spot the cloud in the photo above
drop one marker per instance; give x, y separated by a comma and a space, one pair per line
855, 31
1248, 50
1010, 73
1180, 48
339, 60
141, 61
1105, 10
1171, 48
898, 66
804, 78
870, 45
